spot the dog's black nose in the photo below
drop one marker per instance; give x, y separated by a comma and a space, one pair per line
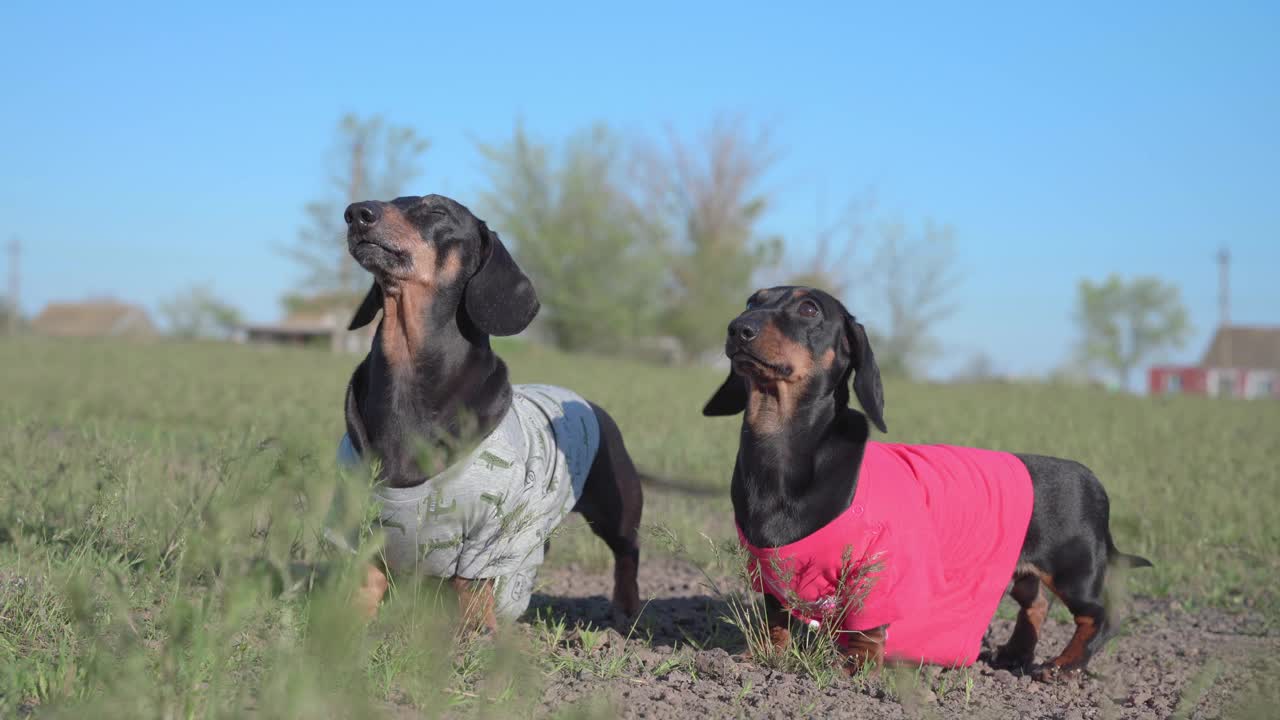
744, 329
362, 214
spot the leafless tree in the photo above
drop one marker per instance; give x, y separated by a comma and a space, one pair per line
980, 367
709, 191
913, 275
834, 265
371, 160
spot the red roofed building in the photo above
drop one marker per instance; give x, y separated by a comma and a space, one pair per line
1241, 362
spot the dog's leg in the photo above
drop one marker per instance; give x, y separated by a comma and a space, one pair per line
1020, 652
476, 602
864, 649
611, 503
1069, 546
371, 591
779, 623
1083, 597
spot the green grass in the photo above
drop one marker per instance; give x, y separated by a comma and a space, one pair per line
159, 507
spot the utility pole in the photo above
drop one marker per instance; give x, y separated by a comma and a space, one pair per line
355, 193
15, 277
1224, 304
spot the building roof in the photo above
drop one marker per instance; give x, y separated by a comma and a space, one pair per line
309, 322
1244, 347
93, 318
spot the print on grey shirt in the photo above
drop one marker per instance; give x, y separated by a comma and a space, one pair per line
489, 515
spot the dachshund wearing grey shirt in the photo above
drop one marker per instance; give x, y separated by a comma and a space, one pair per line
445, 283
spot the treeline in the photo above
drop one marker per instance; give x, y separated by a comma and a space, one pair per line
632, 241
653, 244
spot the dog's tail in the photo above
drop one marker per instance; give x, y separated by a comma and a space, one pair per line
1129, 561
658, 482
1125, 560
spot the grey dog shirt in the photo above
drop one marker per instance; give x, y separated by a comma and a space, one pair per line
490, 514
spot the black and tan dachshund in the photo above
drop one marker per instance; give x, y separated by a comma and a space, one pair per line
445, 283
793, 353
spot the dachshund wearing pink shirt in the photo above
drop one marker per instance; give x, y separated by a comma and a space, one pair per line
908, 548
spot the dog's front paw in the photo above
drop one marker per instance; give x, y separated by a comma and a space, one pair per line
1013, 659
1052, 673
626, 604
623, 619
864, 652
860, 667
780, 639
862, 662
370, 593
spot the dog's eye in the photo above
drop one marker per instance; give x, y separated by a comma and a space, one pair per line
808, 308
752, 302
424, 211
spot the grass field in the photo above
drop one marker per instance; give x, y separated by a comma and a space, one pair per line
159, 507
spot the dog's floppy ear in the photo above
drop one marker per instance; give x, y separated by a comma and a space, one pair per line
356, 430
369, 307
499, 299
730, 399
866, 374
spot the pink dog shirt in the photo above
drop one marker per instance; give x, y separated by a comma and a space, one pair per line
929, 543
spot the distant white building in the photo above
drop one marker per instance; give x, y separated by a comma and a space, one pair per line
319, 321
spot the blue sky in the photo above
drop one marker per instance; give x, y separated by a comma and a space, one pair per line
147, 147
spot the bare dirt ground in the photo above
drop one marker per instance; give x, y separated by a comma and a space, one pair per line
1165, 662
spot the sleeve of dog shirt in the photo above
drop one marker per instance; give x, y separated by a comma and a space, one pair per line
503, 518
529, 482
501, 539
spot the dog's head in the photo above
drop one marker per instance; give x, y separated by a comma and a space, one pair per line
799, 344
433, 245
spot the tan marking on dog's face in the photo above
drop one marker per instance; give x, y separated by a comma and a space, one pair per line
778, 349
404, 325
771, 406
407, 303
424, 268
775, 395
396, 229
449, 269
